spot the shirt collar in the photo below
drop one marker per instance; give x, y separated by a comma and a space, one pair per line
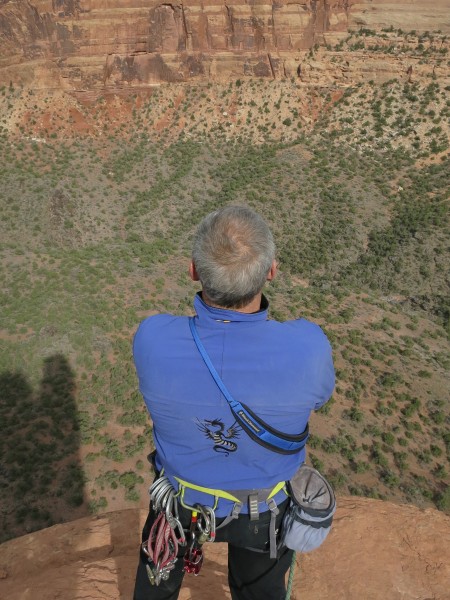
211, 313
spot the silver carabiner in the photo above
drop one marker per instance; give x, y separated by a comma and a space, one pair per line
165, 499
160, 492
173, 520
156, 488
208, 531
212, 523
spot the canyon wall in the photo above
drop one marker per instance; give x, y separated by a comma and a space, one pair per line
95, 44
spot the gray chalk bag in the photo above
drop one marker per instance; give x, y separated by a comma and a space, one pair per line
308, 520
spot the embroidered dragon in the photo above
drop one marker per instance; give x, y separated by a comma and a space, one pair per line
214, 430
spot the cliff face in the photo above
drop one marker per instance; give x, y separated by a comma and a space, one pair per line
97, 42
376, 550
90, 44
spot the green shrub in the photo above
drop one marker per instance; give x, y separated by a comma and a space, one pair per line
316, 462
442, 500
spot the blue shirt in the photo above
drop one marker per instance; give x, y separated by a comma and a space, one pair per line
281, 371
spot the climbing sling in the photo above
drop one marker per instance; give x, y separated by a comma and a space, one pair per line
308, 520
256, 428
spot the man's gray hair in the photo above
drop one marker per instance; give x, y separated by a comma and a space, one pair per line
233, 252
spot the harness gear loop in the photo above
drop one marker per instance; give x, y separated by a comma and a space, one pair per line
180, 496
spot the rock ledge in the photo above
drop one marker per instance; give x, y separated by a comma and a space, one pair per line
376, 550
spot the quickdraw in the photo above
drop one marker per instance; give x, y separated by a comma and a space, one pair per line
163, 543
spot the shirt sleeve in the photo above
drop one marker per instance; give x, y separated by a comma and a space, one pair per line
140, 356
325, 376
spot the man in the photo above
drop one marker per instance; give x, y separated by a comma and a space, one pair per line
281, 371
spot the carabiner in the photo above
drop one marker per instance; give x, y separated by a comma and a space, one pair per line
208, 531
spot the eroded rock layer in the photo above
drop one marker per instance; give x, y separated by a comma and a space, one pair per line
376, 550
90, 44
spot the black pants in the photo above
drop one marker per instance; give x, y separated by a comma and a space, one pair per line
251, 575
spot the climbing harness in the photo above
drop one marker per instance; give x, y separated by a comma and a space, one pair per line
251, 498
256, 428
167, 533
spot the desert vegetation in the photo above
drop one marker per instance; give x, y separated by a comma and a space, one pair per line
98, 204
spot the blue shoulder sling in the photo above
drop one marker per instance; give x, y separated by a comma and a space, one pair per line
256, 428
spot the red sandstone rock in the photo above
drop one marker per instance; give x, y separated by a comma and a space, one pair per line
90, 44
376, 551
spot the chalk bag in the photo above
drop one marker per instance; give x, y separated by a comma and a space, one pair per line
308, 520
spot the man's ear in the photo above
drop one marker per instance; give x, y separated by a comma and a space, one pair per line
273, 271
193, 272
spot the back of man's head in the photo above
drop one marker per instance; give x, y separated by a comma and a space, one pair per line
233, 253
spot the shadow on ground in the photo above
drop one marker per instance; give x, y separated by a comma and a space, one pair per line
41, 478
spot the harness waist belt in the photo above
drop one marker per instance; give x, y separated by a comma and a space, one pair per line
238, 496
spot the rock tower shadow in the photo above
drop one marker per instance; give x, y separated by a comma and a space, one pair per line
41, 477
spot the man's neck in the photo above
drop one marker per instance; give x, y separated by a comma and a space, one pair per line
253, 306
